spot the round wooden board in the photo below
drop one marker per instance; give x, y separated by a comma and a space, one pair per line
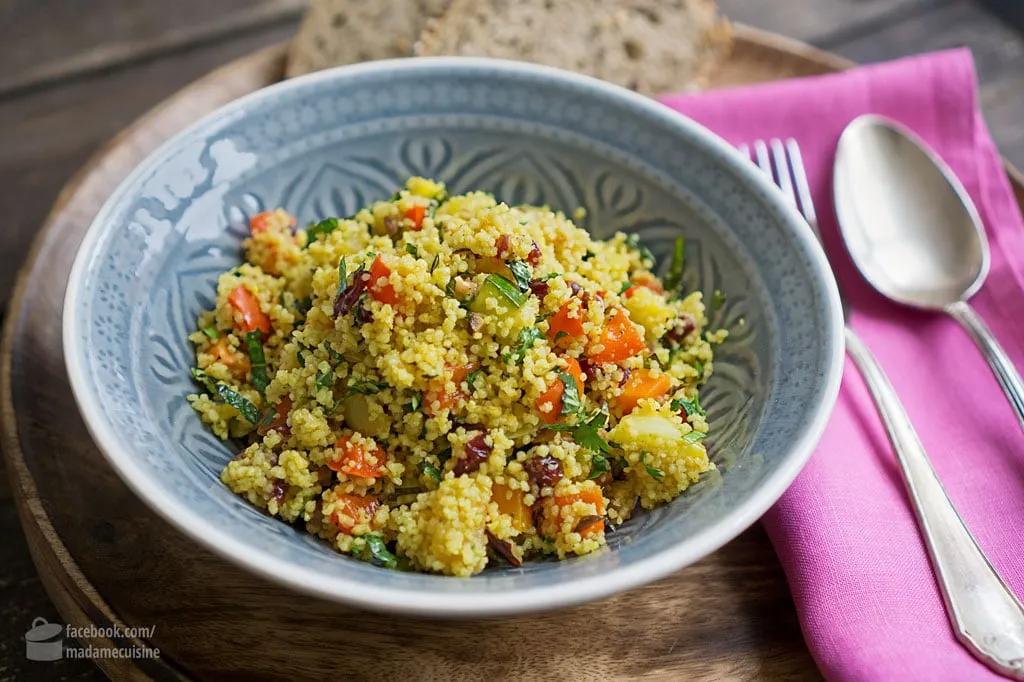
105, 559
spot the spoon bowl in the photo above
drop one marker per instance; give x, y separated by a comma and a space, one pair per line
914, 233
908, 222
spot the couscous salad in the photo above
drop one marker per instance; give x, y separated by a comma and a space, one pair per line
441, 382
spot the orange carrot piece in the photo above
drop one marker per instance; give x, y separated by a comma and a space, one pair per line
561, 326
415, 215
553, 394
511, 502
642, 384
358, 508
253, 318
355, 460
379, 287
619, 340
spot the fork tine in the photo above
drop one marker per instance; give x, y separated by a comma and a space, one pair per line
803, 190
781, 161
761, 158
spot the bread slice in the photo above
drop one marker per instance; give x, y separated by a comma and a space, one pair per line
652, 46
336, 32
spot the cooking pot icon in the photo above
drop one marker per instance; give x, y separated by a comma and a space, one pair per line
44, 641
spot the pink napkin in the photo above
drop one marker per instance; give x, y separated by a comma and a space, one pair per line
867, 599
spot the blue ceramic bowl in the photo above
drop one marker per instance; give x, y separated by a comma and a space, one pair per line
325, 144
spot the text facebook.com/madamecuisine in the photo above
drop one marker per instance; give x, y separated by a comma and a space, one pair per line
47, 641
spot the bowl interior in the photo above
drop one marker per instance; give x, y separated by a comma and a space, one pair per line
328, 144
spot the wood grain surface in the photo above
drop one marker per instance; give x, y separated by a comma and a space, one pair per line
730, 616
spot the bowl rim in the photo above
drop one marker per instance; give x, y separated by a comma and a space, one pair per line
380, 597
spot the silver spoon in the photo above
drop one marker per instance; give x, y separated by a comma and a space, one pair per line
914, 233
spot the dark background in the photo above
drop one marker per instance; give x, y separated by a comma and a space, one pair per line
74, 72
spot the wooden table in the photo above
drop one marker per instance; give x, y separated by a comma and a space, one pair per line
77, 73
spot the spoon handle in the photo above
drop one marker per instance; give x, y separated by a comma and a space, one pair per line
986, 616
1006, 374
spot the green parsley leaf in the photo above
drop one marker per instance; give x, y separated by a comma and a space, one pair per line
313, 232
258, 361
300, 358
324, 379
375, 551
412, 250
432, 471
598, 466
522, 273
692, 407
524, 343
699, 366
674, 278
656, 474
473, 376
211, 332
444, 455
695, 436
415, 403
550, 276
571, 400
586, 433
625, 287
334, 355
434, 263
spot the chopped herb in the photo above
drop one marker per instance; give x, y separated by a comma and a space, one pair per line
303, 305
239, 402
588, 255
473, 376
334, 355
254, 340
699, 366
527, 337
204, 380
324, 379
561, 334
571, 400
300, 358
568, 426
432, 471
415, 403
444, 455
376, 552
314, 231
625, 287
507, 290
695, 436
633, 242
449, 289
692, 407
674, 278
522, 273
598, 466
412, 250
586, 433
656, 474
433, 263
550, 276
211, 332
364, 387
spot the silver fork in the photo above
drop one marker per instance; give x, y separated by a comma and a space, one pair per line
987, 618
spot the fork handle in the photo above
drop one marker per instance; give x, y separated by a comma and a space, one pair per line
986, 616
1006, 374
